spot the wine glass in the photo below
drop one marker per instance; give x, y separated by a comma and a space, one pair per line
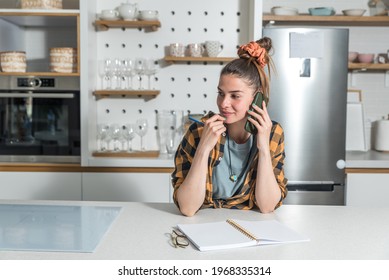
139, 68
115, 131
141, 129
102, 136
105, 73
150, 70
117, 72
129, 134
128, 72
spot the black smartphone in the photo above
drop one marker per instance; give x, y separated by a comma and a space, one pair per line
258, 99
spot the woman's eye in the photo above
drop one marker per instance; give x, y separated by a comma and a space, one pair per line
220, 93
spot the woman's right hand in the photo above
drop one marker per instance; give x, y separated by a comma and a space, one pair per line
213, 128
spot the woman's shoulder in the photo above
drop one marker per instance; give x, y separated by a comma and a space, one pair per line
277, 126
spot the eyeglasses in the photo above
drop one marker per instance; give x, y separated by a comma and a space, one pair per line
179, 239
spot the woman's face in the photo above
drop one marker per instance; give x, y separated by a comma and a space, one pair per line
234, 98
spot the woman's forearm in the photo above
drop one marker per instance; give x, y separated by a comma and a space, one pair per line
191, 193
267, 191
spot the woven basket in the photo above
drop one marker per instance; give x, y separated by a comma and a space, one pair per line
63, 60
41, 4
13, 61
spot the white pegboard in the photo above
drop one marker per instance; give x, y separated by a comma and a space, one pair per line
191, 88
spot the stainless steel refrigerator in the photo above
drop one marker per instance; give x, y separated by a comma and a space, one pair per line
308, 98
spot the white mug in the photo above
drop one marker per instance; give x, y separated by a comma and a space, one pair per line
195, 50
213, 48
177, 49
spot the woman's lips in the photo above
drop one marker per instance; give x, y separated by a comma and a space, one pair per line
226, 114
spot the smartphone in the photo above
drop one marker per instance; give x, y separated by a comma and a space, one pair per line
258, 99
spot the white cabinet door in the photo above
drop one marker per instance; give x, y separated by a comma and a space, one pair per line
367, 189
40, 185
139, 187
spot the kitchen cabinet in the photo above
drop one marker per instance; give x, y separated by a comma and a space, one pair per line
40, 185
47, 29
337, 20
140, 187
367, 189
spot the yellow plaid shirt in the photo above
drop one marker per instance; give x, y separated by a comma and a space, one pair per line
245, 199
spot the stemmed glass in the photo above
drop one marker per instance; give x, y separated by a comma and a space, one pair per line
117, 72
139, 69
102, 136
115, 131
129, 134
150, 70
128, 72
105, 73
141, 129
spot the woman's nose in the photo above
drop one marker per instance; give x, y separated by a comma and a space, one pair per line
225, 102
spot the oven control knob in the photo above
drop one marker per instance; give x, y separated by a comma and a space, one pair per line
34, 82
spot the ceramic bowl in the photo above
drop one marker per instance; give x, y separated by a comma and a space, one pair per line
366, 57
284, 11
352, 56
322, 11
148, 15
354, 12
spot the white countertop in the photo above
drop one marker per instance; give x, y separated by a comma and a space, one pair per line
368, 159
141, 231
354, 159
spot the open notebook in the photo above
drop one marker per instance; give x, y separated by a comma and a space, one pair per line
238, 233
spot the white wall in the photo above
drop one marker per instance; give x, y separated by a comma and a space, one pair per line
183, 21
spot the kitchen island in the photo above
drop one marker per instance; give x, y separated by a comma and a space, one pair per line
142, 231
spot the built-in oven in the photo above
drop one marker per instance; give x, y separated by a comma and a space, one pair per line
39, 119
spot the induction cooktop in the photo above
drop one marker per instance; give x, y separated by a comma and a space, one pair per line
54, 227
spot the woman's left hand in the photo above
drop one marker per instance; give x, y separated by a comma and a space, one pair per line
261, 120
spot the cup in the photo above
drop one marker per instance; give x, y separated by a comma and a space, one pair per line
170, 143
195, 50
166, 126
213, 48
177, 49
109, 14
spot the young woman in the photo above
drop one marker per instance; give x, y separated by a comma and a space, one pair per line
220, 164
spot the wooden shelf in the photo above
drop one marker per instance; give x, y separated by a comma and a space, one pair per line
134, 154
41, 74
176, 59
41, 18
306, 19
125, 93
368, 66
104, 25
